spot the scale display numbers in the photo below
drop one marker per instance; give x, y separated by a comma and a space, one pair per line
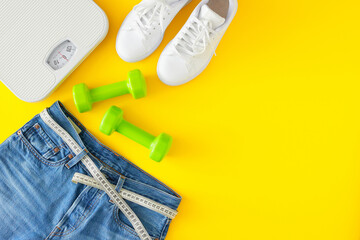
61, 55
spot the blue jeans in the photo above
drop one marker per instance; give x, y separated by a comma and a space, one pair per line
38, 200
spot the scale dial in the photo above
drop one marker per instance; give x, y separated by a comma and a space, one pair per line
61, 55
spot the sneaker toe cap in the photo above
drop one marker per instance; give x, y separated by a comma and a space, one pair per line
172, 70
129, 46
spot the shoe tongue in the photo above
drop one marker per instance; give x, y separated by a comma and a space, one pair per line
209, 15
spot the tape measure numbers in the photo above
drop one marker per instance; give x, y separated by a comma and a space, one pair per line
99, 177
128, 195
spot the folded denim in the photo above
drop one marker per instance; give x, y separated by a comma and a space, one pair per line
39, 201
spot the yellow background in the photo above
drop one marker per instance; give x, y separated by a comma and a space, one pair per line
266, 140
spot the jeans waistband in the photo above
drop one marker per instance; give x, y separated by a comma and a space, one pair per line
112, 163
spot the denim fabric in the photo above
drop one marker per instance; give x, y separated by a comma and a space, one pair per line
39, 201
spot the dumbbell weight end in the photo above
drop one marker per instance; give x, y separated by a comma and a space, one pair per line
82, 98
160, 147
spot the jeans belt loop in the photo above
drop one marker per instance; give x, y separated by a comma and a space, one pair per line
120, 183
77, 158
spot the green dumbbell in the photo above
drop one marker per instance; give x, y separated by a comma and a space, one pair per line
84, 97
114, 121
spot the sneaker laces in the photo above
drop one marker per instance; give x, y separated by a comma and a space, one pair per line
147, 13
195, 38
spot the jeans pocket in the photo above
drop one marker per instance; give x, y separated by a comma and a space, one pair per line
43, 147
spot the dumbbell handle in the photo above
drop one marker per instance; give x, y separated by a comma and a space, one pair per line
109, 91
136, 134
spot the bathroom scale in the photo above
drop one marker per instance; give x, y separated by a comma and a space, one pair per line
43, 41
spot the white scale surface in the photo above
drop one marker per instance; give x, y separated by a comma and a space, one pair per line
43, 41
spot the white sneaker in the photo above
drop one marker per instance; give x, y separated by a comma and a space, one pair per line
189, 53
143, 29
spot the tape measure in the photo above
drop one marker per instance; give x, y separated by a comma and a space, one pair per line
99, 177
128, 195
